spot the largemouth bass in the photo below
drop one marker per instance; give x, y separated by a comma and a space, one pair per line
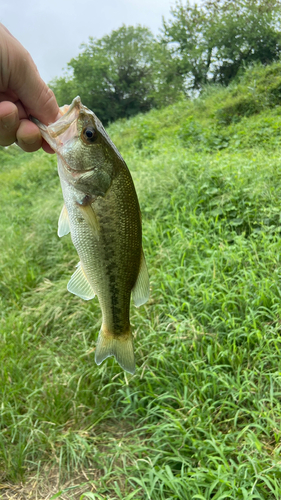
102, 214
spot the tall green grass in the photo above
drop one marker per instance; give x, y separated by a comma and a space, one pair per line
200, 419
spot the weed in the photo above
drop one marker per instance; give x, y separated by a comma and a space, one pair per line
200, 418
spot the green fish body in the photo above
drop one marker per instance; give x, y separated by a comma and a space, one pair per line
102, 213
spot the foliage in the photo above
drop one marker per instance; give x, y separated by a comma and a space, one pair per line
130, 71
167, 79
251, 93
201, 416
211, 42
113, 74
119, 75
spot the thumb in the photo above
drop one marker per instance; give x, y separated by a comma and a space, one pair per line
24, 79
38, 99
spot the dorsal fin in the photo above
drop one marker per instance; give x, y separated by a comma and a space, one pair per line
140, 291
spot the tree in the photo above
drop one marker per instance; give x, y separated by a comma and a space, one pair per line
247, 31
212, 42
189, 43
168, 82
113, 75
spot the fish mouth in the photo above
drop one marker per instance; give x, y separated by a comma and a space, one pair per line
69, 115
57, 134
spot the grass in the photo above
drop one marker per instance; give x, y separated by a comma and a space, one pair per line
200, 419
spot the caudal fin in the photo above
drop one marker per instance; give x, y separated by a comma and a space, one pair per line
120, 347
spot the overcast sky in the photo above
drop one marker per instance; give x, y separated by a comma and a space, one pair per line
53, 30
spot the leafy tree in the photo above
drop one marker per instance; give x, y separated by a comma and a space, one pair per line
212, 42
168, 82
64, 88
113, 75
189, 43
247, 31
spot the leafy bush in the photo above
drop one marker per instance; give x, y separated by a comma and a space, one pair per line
192, 133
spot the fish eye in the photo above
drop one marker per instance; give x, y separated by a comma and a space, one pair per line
89, 135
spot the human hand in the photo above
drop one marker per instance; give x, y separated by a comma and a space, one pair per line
22, 93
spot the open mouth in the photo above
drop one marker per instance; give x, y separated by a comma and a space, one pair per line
64, 129
65, 123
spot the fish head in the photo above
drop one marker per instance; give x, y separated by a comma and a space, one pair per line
82, 144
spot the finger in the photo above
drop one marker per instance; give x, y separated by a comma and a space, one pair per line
22, 114
23, 78
45, 108
47, 148
37, 98
28, 136
9, 123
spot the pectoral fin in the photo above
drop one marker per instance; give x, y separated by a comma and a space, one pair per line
79, 284
140, 291
63, 225
91, 218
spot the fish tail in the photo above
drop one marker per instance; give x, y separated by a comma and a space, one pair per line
121, 347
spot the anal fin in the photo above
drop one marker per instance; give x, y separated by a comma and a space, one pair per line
79, 284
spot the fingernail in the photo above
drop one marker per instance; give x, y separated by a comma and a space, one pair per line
30, 140
9, 121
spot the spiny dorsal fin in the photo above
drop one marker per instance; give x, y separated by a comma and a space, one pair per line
63, 225
79, 284
140, 291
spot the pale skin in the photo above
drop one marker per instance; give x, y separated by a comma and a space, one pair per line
22, 93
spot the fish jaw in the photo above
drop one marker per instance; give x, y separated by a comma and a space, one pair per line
62, 134
59, 133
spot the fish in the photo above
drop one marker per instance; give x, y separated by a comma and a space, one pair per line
102, 214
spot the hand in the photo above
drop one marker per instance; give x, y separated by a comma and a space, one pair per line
22, 93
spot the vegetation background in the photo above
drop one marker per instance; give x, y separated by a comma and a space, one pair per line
130, 71
200, 419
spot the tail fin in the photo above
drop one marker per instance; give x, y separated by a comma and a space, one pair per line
120, 347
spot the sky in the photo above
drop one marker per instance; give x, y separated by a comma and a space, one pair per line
53, 30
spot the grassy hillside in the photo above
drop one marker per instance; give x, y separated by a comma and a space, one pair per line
200, 419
